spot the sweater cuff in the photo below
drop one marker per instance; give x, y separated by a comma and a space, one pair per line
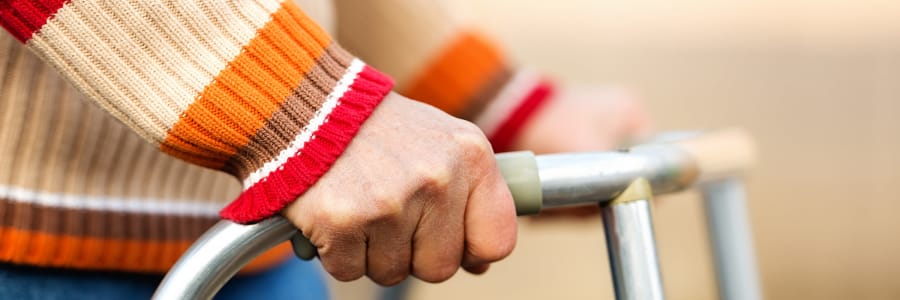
286, 176
463, 77
515, 104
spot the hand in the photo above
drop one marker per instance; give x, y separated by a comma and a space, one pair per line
416, 192
578, 120
587, 119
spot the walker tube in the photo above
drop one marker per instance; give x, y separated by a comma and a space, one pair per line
631, 245
220, 253
732, 240
565, 180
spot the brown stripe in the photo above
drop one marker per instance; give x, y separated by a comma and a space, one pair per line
294, 114
486, 94
103, 224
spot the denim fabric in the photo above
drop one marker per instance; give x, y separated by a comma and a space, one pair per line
293, 279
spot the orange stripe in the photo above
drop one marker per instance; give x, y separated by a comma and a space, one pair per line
269, 259
66, 251
457, 74
244, 95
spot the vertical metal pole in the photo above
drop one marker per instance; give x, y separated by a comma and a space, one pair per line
731, 239
630, 242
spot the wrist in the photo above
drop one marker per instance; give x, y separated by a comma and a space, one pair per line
274, 179
514, 107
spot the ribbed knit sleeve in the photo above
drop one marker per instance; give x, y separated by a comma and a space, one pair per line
470, 77
439, 59
253, 88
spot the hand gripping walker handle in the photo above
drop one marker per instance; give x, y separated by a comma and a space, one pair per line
519, 170
564, 180
226, 247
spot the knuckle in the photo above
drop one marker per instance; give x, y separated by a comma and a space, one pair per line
437, 274
390, 278
338, 215
433, 178
492, 252
345, 275
471, 139
341, 261
387, 206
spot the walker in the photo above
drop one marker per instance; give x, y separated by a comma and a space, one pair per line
621, 182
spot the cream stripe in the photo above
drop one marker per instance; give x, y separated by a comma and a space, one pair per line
507, 100
148, 60
112, 204
331, 101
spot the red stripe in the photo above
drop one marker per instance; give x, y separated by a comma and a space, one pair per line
503, 138
281, 187
23, 18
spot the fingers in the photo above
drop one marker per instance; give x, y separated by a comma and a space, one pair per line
344, 257
417, 193
388, 257
630, 121
438, 242
477, 269
639, 125
490, 223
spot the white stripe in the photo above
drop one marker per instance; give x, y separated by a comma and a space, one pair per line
513, 93
112, 204
331, 101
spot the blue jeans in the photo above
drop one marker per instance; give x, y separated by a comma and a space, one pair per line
293, 279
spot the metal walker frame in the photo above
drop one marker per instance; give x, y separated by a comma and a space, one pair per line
622, 182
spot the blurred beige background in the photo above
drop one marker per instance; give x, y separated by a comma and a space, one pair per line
816, 81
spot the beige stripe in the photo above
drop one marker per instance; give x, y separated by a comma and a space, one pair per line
12, 116
55, 142
146, 61
52, 140
10, 48
509, 97
322, 12
398, 37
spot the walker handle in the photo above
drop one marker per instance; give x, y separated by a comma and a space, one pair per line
536, 182
519, 170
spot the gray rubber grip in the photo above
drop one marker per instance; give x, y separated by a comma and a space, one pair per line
303, 248
519, 170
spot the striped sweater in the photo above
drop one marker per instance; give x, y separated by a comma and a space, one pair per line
253, 89
437, 56
470, 78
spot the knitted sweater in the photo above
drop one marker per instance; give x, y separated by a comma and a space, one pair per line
437, 56
470, 79
253, 89
80, 190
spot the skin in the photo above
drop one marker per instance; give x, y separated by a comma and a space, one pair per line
592, 119
426, 199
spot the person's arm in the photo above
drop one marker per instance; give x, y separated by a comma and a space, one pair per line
251, 88
440, 58
258, 90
